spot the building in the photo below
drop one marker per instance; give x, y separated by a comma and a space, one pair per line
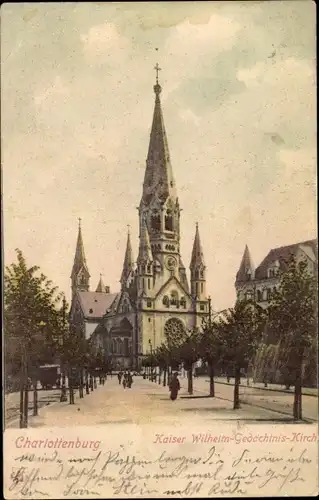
259, 284
156, 300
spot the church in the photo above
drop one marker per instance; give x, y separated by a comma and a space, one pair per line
156, 300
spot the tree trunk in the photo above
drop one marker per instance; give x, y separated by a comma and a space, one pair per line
87, 387
71, 388
297, 408
211, 380
190, 379
81, 384
26, 403
22, 398
236, 388
159, 376
35, 398
164, 376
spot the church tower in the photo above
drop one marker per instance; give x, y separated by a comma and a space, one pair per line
159, 207
80, 276
198, 269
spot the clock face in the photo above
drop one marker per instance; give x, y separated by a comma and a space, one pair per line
171, 263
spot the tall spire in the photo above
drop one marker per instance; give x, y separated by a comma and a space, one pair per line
100, 287
158, 175
145, 251
246, 270
80, 275
197, 253
79, 259
128, 259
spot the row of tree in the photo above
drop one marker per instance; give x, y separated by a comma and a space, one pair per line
36, 332
234, 341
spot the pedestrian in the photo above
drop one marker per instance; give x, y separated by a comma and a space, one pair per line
174, 386
129, 380
119, 376
125, 380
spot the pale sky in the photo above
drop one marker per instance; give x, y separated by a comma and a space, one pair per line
239, 104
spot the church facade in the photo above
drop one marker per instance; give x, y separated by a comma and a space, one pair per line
156, 300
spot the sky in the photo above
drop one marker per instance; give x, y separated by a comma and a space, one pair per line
239, 105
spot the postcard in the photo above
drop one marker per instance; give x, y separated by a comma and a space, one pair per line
160, 249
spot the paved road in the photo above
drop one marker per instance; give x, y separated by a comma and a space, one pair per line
149, 403
278, 401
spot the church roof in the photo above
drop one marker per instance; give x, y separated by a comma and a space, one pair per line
95, 304
128, 260
246, 267
158, 178
79, 258
197, 253
283, 254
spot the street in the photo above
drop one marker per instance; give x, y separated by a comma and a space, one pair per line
148, 402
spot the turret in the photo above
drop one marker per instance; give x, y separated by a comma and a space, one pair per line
198, 269
246, 270
101, 288
128, 264
80, 275
144, 261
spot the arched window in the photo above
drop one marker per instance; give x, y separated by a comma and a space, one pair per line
156, 221
169, 221
114, 346
183, 302
268, 293
126, 349
166, 300
120, 346
259, 296
174, 297
249, 295
201, 287
148, 283
196, 288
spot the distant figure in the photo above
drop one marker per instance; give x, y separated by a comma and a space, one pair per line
174, 386
119, 376
129, 380
124, 380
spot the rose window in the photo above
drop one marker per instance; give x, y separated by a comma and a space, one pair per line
174, 329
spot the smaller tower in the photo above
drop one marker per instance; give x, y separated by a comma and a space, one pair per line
101, 287
144, 262
198, 269
128, 264
80, 275
246, 270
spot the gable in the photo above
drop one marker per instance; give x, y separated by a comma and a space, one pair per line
123, 304
173, 295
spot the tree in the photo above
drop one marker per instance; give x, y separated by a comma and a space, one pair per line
210, 351
238, 334
189, 352
293, 315
32, 320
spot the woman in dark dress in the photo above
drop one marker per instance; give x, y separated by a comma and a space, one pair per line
174, 386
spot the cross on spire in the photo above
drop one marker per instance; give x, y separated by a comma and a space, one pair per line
157, 69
